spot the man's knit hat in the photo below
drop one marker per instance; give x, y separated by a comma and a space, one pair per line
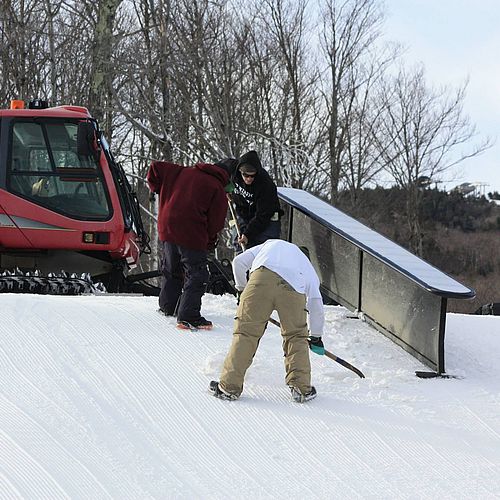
249, 163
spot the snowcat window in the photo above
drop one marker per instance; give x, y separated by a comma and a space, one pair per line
46, 168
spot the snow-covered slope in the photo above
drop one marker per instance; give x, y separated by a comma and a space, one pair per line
101, 397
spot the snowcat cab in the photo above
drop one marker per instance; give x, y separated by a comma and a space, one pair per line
65, 204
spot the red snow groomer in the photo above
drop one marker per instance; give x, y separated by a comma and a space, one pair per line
67, 210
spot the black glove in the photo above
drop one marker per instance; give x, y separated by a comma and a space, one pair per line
217, 286
316, 345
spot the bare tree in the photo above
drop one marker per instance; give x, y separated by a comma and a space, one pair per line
179, 70
211, 41
350, 30
361, 109
286, 23
145, 85
23, 49
282, 78
423, 134
69, 40
52, 10
102, 76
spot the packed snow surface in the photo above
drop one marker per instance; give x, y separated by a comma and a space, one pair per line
102, 397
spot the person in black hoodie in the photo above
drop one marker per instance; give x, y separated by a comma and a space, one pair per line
256, 201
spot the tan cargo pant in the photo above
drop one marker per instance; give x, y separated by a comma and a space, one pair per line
264, 293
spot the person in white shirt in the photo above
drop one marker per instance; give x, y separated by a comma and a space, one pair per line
281, 279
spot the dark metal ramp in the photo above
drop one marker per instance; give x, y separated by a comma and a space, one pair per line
400, 294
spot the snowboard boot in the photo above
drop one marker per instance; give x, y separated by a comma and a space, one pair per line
198, 324
219, 393
298, 397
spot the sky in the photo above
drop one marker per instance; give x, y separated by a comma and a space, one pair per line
102, 397
456, 40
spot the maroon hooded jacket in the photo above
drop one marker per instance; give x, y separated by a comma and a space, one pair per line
193, 203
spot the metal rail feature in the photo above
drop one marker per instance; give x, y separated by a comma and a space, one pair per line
401, 295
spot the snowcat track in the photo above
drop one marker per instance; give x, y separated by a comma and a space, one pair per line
46, 285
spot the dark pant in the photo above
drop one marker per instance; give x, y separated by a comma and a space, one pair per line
185, 277
271, 232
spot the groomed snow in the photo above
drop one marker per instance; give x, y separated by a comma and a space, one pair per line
101, 397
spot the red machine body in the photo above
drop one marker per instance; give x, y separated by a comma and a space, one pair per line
65, 204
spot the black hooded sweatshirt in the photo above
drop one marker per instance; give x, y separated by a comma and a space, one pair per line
258, 202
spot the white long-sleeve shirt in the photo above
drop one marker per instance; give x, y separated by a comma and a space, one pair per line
287, 260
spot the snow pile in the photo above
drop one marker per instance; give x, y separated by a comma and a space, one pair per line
101, 397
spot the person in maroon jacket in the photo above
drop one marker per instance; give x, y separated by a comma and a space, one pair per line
192, 211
